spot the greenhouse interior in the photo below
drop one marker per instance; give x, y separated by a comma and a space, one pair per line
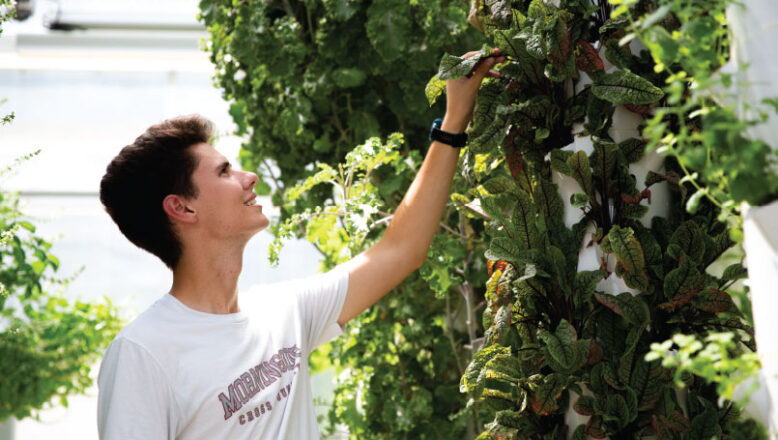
455, 219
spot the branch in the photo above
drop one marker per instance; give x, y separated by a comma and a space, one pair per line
460, 367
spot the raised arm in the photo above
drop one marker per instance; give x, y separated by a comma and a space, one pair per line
403, 247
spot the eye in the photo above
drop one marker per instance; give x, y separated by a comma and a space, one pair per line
225, 170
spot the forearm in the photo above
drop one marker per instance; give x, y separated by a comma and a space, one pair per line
418, 216
404, 246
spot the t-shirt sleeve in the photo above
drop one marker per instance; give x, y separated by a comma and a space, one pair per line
320, 300
134, 399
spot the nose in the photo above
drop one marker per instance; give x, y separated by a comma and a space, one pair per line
250, 179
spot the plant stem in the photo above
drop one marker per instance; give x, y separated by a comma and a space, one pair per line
450, 335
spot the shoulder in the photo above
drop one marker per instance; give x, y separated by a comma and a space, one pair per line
147, 326
287, 292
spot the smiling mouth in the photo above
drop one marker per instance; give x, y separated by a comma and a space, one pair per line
251, 202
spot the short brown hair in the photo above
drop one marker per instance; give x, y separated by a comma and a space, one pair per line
158, 163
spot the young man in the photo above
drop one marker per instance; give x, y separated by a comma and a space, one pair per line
204, 363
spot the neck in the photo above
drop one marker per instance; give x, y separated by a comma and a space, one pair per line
206, 279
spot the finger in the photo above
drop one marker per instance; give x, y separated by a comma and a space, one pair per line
470, 54
493, 74
480, 71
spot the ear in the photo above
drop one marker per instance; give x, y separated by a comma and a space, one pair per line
177, 209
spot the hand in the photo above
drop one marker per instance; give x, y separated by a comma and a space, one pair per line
461, 93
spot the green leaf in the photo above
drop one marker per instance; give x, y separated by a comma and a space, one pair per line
453, 67
495, 206
705, 425
595, 428
624, 87
503, 248
435, 87
610, 377
26, 225
491, 138
618, 52
389, 28
629, 256
500, 328
546, 397
648, 382
596, 378
579, 433
632, 403
581, 171
632, 149
511, 419
491, 95
676, 421
349, 77
523, 220
588, 60
585, 283
734, 272
559, 160
505, 365
653, 177
500, 184
548, 201
652, 252
341, 10
616, 410
598, 114
603, 159
628, 358
580, 200
633, 309
584, 406
496, 431
693, 203
498, 378
615, 24
682, 280
561, 345
688, 237
468, 382
713, 301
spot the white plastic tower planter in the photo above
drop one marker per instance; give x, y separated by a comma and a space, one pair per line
760, 226
754, 27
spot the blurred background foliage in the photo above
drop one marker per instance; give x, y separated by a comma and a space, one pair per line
47, 343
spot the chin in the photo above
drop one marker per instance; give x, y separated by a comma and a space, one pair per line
263, 224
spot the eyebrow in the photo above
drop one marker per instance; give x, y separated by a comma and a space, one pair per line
223, 166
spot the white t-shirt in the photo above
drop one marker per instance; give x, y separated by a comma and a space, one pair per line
177, 373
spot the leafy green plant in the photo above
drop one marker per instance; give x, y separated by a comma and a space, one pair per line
711, 359
553, 338
310, 80
47, 344
400, 362
707, 138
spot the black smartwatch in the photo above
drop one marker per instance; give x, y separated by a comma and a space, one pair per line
455, 140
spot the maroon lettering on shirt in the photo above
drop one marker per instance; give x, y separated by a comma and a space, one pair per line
257, 378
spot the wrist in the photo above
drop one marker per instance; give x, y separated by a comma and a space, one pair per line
453, 125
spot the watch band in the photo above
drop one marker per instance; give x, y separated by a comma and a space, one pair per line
454, 140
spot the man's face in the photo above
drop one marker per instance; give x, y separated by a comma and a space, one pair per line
225, 204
